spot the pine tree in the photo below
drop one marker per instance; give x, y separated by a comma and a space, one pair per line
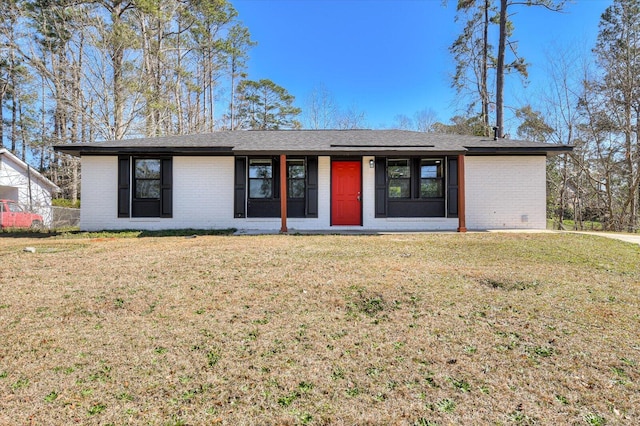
263, 105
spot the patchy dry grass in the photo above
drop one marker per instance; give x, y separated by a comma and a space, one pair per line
395, 329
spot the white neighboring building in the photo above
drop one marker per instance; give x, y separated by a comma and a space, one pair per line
24, 184
314, 180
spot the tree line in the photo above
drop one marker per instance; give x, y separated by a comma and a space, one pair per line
592, 101
80, 71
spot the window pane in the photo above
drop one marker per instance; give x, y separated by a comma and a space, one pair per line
430, 188
296, 188
147, 169
399, 188
260, 188
13, 207
260, 169
149, 189
296, 169
398, 168
430, 169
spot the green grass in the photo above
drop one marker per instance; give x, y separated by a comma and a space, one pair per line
372, 329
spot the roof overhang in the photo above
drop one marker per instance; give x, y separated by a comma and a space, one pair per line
549, 150
349, 152
97, 149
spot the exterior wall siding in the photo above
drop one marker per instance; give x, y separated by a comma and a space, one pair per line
202, 195
99, 193
203, 192
505, 192
14, 185
501, 192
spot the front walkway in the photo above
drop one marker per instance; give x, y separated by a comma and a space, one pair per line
629, 238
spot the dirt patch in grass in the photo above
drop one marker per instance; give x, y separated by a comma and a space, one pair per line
395, 329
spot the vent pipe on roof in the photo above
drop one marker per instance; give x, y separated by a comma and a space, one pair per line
495, 133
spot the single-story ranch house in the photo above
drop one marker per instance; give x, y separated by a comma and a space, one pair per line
314, 180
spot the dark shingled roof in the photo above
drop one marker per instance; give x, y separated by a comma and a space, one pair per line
314, 142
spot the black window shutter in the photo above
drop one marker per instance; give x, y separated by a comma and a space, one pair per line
312, 187
381, 187
275, 179
414, 164
166, 187
124, 171
240, 187
452, 187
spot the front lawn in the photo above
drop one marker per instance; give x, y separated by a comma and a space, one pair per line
411, 329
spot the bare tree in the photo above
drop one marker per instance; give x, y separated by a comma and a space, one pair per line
568, 174
402, 122
425, 119
351, 118
618, 53
472, 53
321, 110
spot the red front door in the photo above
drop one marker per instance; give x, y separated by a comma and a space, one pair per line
346, 206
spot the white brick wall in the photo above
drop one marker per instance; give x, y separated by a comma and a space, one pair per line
203, 192
99, 193
202, 195
505, 192
501, 192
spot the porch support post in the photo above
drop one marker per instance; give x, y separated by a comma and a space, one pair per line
283, 193
462, 226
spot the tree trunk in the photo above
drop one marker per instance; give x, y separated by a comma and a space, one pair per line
178, 83
117, 62
484, 92
500, 69
631, 194
14, 108
233, 95
74, 183
211, 116
1, 123
563, 191
23, 135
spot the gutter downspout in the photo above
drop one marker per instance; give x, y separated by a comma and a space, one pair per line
462, 225
283, 193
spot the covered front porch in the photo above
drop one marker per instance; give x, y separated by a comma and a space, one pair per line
356, 197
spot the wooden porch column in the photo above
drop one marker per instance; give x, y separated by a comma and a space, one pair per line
462, 226
283, 193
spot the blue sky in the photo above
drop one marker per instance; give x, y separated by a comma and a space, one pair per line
390, 57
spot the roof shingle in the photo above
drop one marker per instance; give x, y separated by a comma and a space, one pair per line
319, 142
